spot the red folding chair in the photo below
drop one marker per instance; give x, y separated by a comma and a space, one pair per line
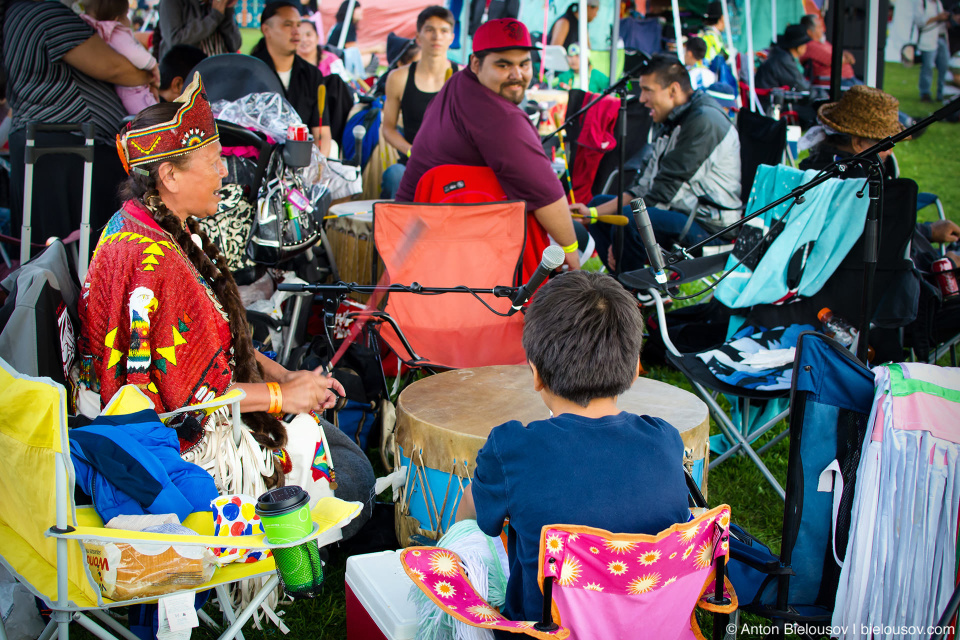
452, 183
476, 245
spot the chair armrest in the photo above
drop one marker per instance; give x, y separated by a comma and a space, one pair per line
439, 574
329, 515
728, 592
710, 203
688, 270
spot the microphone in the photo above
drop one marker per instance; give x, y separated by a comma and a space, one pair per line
642, 218
552, 258
359, 132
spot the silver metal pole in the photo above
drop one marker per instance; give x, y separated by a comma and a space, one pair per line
25, 228
773, 21
614, 46
584, 53
751, 81
873, 33
258, 599
676, 29
85, 215
732, 60
347, 23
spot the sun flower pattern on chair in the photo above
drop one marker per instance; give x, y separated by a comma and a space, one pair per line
647, 585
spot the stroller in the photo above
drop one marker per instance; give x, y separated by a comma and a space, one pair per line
269, 222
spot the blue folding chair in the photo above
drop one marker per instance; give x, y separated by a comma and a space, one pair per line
831, 398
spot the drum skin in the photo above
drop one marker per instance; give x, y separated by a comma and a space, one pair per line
444, 420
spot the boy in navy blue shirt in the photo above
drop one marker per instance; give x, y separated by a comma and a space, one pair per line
589, 464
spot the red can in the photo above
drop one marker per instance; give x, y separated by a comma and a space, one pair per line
946, 277
298, 132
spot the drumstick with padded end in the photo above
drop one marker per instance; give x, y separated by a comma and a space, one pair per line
619, 221
353, 213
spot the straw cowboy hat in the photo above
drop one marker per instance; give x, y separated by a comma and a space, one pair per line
863, 111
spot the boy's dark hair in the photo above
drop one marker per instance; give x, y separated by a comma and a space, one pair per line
668, 69
697, 47
808, 22
178, 62
583, 333
106, 9
435, 11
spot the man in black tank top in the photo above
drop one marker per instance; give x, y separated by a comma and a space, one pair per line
410, 89
566, 30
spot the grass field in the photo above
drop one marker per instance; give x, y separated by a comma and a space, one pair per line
931, 160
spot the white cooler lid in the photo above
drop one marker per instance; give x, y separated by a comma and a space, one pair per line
382, 587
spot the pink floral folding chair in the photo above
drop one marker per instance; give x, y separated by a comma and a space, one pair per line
598, 584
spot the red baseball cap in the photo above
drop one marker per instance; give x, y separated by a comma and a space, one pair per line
500, 35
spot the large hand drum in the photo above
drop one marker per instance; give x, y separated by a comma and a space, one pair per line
444, 420
351, 242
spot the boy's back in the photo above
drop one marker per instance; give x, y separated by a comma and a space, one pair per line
622, 473
591, 464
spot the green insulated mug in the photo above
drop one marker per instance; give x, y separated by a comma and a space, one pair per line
285, 514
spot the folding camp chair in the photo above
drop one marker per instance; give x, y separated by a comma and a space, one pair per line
924, 199
831, 396
451, 245
604, 178
890, 307
598, 584
42, 530
449, 184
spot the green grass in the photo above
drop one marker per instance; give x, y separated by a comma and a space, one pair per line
931, 160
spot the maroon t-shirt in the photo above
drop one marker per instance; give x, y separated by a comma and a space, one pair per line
468, 124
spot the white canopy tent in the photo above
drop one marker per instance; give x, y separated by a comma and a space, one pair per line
607, 16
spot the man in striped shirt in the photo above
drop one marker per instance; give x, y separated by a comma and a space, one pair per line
59, 71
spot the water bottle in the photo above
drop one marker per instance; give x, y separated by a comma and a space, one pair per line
837, 328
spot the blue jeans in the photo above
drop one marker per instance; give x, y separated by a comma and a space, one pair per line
667, 227
390, 180
941, 57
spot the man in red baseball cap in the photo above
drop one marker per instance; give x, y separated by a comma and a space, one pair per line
475, 121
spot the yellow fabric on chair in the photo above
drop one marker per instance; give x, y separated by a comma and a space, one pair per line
41, 527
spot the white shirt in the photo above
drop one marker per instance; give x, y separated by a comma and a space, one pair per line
285, 77
701, 77
923, 10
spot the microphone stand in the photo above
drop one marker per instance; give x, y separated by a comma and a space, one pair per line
870, 158
619, 85
619, 88
341, 289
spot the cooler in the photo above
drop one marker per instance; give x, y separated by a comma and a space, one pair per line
377, 605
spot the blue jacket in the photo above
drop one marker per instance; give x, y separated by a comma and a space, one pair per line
131, 465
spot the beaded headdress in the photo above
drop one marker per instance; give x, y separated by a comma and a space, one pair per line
191, 128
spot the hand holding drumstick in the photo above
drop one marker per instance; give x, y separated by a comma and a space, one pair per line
580, 210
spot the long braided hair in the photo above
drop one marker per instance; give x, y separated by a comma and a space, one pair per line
212, 266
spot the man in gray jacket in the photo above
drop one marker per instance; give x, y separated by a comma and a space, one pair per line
694, 167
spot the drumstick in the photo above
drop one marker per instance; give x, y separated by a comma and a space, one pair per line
351, 213
401, 254
566, 167
619, 221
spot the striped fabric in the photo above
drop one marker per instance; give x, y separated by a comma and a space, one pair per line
43, 88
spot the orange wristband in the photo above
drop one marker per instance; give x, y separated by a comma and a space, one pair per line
276, 397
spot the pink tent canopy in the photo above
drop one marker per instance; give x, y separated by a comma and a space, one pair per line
380, 17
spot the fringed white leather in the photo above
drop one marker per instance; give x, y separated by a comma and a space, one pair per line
238, 469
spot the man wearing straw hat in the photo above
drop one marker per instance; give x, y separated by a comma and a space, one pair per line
861, 118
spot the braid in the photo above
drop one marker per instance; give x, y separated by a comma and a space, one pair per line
212, 266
